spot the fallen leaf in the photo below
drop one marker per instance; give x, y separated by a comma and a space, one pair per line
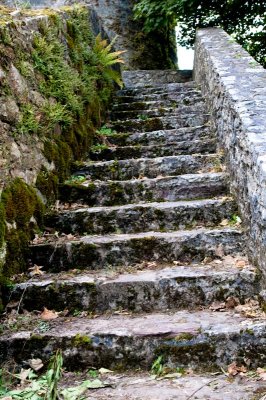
217, 306
170, 376
232, 302
23, 375
36, 270
234, 370
36, 364
241, 263
224, 222
207, 260
70, 236
103, 371
47, 315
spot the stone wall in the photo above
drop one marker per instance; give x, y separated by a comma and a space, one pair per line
155, 50
234, 85
144, 51
53, 98
155, 77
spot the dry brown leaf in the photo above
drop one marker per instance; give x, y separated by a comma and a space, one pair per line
23, 375
217, 306
70, 236
36, 270
207, 260
36, 364
234, 370
241, 263
177, 263
232, 302
224, 222
47, 315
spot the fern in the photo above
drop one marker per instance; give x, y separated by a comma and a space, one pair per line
106, 58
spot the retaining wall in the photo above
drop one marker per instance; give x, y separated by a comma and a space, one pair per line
234, 85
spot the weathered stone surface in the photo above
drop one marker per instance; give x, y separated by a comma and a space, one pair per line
133, 104
96, 252
205, 387
176, 88
234, 86
122, 114
182, 187
165, 216
148, 167
120, 153
200, 340
156, 77
163, 289
159, 123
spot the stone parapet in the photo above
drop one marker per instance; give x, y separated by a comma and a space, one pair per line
234, 85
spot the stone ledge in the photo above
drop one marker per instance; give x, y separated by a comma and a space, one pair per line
235, 88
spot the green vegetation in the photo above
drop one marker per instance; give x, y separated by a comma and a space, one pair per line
21, 212
245, 20
72, 75
106, 131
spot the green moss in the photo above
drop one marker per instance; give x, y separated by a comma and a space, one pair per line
22, 213
184, 336
81, 340
47, 184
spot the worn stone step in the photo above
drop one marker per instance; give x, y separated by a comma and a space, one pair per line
143, 386
140, 78
148, 167
163, 88
96, 252
182, 187
186, 97
161, 137
158, 112
202, 340
160, 123
131, 218
202, 146
193, 98
182, 287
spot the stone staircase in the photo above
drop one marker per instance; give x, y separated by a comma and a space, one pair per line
147, 258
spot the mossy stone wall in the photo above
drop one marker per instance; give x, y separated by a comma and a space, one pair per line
55, 90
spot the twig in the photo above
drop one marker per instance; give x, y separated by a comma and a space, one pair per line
21, 298
205, 384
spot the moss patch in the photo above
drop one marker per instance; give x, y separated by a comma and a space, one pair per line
22, 213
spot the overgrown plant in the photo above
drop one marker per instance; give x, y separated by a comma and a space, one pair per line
246, 20
106, 59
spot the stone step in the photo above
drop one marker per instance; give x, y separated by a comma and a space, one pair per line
182, 287
148, 167
158, 112
161, 137
140, 78
182, 187
201, 340
186, 97
131, 218
97, 252
187, 100
202, 146
160, 123
163, 88
144, 386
